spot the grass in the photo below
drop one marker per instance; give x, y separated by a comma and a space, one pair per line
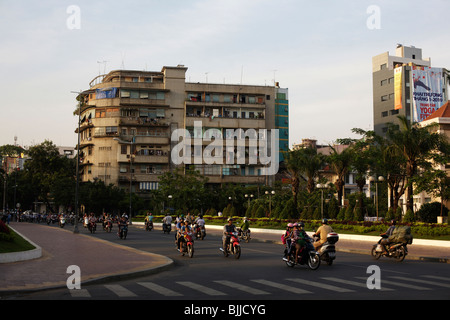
17, 244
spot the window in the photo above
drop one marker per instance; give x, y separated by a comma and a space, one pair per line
384, 114
384, 82
384, 98
383, 66
123, 149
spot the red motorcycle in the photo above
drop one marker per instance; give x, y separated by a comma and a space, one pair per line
187, 245
233, 246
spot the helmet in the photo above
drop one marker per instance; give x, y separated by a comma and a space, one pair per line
325, 221
301, 224
290, 225
230, 219
295, 224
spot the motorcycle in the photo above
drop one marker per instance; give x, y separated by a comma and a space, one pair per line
123, 231
167, 227
307, 255
62, 222
244, 234
149, 226
108, 226
187, 246
327, 251
397, 250
200, 232
92, 226
233, 246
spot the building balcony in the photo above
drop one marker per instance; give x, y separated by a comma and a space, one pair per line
221, 122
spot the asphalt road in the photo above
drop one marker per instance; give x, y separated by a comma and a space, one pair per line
259, 275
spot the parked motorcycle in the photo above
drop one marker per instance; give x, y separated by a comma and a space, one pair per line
187, 246
244, 234
327, 251
307, 255
233, 246
149, 226
396, 250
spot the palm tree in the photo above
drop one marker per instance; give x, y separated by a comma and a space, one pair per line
340, 163
418, 145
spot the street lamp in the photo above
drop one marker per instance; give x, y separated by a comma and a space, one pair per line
270, 201
131, 143
248, 200
374, 180
75, 228
321, 187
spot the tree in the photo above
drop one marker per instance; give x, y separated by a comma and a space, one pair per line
340, 163
420, 147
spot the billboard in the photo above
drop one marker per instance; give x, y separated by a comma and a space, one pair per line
398, 88
427, 91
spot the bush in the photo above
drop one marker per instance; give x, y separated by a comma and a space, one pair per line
430, 211
409, 216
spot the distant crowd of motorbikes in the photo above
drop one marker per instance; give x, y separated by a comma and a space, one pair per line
300, 249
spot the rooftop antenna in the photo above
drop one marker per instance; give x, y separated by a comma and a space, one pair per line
104, 66
123, 62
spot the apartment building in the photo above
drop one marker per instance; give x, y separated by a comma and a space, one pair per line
128, 118
406, 84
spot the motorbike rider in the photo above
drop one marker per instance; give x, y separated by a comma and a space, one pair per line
229, 227
288, 238
299, 238
385, 241
122, 223
149, 218
245, 225
167, 220
322, 232
200, 222
184, 227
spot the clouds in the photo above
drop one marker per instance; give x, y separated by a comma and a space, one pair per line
320, 50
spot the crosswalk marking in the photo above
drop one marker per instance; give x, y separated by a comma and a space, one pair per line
320, 285
399, 284
201, 288
242, 287
120, 291
294, 285
159, 289
436, 277
80, 293
353, 283
281, 286
423, 281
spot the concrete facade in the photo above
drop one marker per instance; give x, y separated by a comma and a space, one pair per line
131, 115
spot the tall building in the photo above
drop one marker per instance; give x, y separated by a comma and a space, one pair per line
406, 84
128, 118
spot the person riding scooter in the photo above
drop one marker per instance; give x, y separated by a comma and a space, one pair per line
322, 232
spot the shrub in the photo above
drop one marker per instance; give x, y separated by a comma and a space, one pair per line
430, 211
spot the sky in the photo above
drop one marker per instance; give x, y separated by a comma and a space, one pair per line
320, 50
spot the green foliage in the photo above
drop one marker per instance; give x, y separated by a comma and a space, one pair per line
430, 211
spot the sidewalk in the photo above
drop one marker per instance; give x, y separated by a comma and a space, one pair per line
62, 248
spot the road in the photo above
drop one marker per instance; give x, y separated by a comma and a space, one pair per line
259, 275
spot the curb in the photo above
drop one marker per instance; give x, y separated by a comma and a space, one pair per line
21, 255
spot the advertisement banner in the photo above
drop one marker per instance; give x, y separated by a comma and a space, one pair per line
427, 91
398, 88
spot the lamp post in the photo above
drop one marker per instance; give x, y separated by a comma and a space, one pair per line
321, 187
248, 200
270, 201
75, 228
131, 143
374, 180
